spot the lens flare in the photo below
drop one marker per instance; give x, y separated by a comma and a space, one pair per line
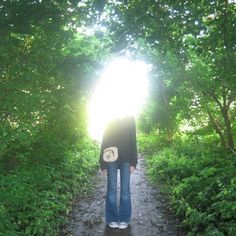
121, 91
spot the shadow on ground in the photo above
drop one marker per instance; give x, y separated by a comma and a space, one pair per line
116, 232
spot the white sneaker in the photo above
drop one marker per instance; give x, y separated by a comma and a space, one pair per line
123, 225
113, 225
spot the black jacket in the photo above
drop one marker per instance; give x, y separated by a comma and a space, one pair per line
121, 133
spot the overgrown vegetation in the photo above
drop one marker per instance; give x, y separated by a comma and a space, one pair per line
47, 71
46, 157
36, 199
200, 182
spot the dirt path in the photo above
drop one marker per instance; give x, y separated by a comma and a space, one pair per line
150, 212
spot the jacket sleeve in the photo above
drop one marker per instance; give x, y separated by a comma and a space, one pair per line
134, 152
102, 163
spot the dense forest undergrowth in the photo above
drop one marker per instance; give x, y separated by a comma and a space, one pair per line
199, 180
36, 198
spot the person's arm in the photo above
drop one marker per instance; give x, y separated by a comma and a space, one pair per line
101, 161
134, 152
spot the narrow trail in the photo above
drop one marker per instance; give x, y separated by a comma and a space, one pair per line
150, 212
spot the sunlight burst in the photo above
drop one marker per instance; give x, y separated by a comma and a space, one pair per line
121, 91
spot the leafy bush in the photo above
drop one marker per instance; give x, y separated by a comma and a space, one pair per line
34, 200
150, 143
201, 184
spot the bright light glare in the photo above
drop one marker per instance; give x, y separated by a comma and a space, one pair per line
121, 91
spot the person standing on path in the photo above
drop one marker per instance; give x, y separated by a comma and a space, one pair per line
118, 151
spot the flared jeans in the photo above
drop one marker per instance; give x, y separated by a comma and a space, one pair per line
113, 212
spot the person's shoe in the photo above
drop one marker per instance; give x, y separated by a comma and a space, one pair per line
113, 225
123, 225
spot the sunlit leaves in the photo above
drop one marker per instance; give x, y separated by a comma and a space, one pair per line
200, 35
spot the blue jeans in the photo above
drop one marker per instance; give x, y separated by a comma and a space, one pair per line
112, 212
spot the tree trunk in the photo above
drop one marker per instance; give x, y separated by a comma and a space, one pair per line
224, 108
229, 133
217, 128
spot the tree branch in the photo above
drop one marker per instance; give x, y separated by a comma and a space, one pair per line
214, 97
217, 128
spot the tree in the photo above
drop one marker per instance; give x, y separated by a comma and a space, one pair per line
45, 73
200, 35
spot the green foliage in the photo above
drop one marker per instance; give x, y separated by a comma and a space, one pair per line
45, 156
46, 73
35, 200
202, 186
151, 143
191, 45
